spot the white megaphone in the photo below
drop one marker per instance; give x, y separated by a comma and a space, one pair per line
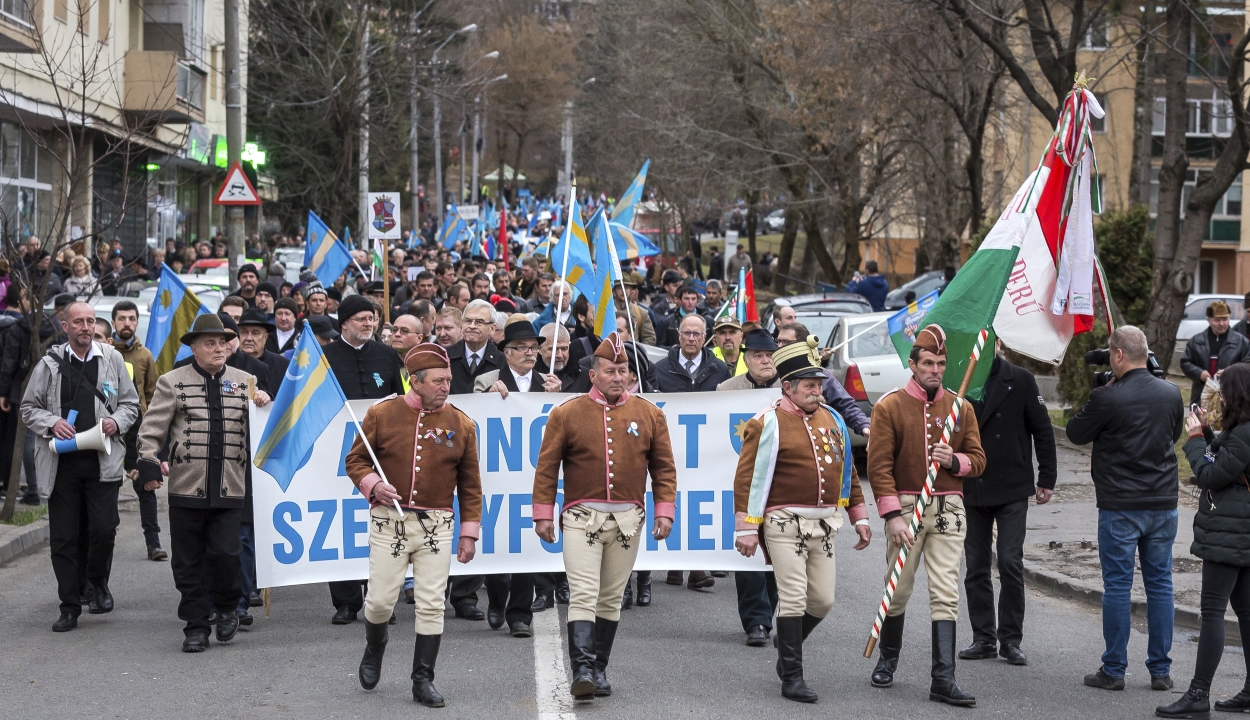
93, 439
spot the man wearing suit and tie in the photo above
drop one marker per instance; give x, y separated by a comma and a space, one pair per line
475, 354
512, 596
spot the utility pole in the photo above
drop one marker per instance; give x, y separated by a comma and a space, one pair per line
363, 179
477, 141
566, 145
234, 136
414, 177
438, 152
460, 190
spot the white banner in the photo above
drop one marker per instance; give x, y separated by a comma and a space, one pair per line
318, 529
384, 216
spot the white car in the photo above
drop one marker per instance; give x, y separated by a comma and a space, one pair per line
1194, 320
868, 366
775, 221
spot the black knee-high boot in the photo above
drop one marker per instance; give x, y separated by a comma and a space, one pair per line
423, 657
605, 634
889, 647
582, 658
944, 688
371, 664
790, 660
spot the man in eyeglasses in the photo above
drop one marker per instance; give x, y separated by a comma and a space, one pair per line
475, 354
409, 333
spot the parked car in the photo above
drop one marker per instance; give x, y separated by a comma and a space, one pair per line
775, 221
922, 285
292, 259
834, 303
868, 366
1194, 320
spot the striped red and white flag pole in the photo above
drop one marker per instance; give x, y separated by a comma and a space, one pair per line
926, 496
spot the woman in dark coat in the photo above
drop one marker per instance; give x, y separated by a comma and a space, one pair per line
1221, 538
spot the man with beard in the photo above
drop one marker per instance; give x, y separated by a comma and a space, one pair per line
142, 369
249, 279
266, 295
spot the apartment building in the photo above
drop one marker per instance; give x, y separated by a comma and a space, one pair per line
112, 113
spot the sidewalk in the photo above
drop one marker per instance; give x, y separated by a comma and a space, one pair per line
1070, 567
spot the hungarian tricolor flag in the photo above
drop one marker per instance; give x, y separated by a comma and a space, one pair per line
1035, 278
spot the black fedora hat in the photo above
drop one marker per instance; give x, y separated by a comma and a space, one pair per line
521, 329
254, 316
757, 339
208, 324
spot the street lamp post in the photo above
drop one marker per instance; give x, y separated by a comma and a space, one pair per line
438, 121
566, 144
479, 129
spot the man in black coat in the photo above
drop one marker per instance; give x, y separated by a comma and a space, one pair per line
254, 331
475, 354
367, 370
691, 367
1212, 350
1013, 421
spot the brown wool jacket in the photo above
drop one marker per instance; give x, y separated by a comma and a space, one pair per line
905, 424
143, 368
429, 457
806, 474
606, 452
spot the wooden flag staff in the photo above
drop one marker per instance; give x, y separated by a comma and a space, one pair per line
926, 496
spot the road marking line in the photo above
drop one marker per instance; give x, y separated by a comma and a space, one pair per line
551, 680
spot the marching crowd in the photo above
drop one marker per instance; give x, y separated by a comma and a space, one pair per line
457, 326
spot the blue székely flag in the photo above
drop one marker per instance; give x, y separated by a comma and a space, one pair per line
454, 229
624, 212
904, 324
347, 236
607, 273
307, 401
324, 253
570, 255
173, 312
631, 245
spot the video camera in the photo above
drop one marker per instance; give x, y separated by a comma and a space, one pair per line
1102, 356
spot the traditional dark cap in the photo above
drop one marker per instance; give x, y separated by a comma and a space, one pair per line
759, 339
334, 294
729, 320
209, 324
427, 356
799, 360
612, 349
257, 317
249, 268
228, 323
519, 327
322, 327
933, 339
286, 303
267, 287
353, 305
375, 287
1219, 308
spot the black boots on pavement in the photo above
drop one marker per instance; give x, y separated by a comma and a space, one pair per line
423, 657
582, 659
944, 688
889, 645
790, 660
605, 634
370, 671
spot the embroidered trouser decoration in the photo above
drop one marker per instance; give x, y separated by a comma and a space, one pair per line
599, 553
940, 540
802, 553
392, 549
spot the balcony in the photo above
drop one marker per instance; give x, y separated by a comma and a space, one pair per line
161, 88
17, 33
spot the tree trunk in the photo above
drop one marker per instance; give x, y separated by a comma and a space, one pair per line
1143, 113
785, 253
975, 167
811, 225
753, 219
1173, 276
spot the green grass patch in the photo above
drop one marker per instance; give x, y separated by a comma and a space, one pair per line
26, 516
1058, 418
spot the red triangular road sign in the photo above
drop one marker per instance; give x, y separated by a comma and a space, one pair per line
237, 189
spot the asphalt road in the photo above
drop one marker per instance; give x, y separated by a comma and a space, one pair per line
683, 656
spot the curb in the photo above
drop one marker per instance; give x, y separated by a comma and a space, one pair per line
1072, 589
33, 537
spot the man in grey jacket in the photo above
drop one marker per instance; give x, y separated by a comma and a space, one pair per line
1212, 350
72, 389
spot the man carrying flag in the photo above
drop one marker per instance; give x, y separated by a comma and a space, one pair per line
200, 411
415, 459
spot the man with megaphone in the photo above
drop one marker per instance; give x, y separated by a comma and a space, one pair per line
80, 401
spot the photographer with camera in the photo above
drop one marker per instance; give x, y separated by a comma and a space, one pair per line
1134, 422
1212, 350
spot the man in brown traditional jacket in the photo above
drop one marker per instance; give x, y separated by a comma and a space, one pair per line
792, 504
604, 500
427, 450
906, 437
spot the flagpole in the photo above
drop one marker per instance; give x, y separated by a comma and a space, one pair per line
361, 434
718, 312
629, 315
923, 500
856, 335
386, 282
568, 231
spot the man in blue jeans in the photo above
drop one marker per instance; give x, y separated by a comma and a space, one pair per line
1134, 422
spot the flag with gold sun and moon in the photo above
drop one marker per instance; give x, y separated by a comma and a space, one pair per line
173, 312
307, 401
